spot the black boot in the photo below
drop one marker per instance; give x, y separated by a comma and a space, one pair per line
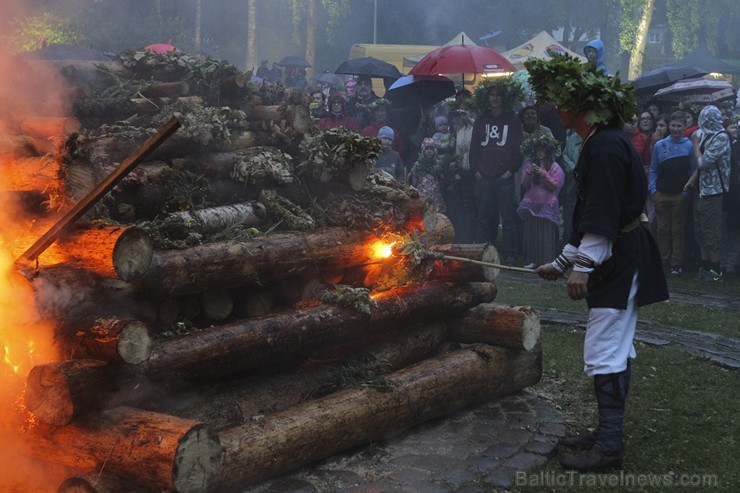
579, 442
611, 395
602, 449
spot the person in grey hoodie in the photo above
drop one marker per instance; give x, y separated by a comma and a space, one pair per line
711, 180
595, 52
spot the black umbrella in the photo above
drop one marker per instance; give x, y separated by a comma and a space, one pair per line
294, 61
649, 82
372, 67
425, 89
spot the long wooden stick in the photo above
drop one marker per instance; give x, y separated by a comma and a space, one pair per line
486, 264
33, 252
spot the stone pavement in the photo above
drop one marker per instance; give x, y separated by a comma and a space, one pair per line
472, 451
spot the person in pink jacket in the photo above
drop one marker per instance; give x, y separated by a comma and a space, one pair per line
542, 178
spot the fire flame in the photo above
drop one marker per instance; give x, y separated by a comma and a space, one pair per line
382, 249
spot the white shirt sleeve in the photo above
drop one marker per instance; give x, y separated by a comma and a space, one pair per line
593, 251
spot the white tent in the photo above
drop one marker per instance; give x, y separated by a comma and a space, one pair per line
538, 47
462, 37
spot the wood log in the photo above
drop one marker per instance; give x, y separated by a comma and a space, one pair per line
256, 342
123, 252
20, 146
234, 85
151, 449
168, 311
214, 219
317, 429
439, 230
30, 174
95, 74
94, 482
166, 89
267, 113
515, 327
231, 264
250, 303
217, 304
109, 339
57, 392
42, 127
447, 270
116, 149
229, 404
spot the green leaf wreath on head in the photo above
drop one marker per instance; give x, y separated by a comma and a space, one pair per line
511, 90
581, 88
536, 141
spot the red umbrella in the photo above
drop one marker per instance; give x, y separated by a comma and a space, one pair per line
462, 59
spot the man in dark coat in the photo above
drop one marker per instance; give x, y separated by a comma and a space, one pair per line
495, 156
615, 260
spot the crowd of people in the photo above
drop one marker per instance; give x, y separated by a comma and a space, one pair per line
501, 166
571, 181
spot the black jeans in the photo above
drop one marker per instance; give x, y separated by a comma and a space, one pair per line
495, 198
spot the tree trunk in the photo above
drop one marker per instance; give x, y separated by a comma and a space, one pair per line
251, 59
198, 22
95, 483
261, 259
216, 219
317, 429
311, 36
166, 90
21, 146
110, 251
152, 449
515, 327
637, 56
256, 342
217, 304
109, 339
230, 404
57, 392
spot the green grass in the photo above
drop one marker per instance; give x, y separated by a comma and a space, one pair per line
546, 294
681, 415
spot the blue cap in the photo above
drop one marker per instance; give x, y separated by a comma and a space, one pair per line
386, 133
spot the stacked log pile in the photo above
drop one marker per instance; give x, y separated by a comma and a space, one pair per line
229, 320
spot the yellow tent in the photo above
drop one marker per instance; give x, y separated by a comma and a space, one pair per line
538, 47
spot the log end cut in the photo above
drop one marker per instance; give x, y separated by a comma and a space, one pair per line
197, 460
530, 328
47, 397
132, 254
135, 343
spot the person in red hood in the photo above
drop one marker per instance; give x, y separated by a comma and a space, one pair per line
640, 141
380, 109
338, 115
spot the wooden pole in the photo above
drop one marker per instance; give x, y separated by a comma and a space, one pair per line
99, 191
